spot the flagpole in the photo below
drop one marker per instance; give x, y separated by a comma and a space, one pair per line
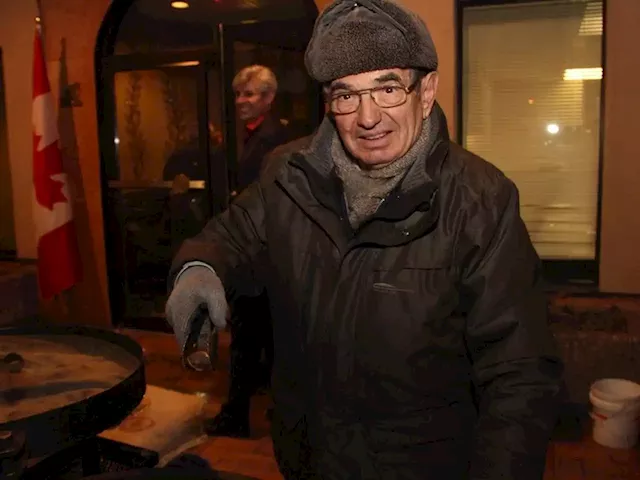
39, 27
39, 16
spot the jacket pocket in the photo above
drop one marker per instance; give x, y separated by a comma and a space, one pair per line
409, 271
421, 284
411, 296
410, 315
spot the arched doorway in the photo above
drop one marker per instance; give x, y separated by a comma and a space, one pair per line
164, 92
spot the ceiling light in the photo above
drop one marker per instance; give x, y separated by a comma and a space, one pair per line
553, 128
179, 5
583, 74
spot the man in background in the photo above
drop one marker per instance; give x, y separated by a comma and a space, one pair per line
255, 89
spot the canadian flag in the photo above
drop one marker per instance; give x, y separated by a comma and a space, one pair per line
59, 266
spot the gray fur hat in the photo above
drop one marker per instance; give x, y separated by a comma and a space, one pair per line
355, 36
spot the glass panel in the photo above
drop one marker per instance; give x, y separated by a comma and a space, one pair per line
533, 109
156, 114
219, 185
143, 223
162, 194
296, 100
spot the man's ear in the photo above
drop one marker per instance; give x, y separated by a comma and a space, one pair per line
428, 91
269, 97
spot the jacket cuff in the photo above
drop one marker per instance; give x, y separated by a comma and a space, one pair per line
192, 264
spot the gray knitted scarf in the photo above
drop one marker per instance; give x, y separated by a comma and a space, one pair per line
365, 190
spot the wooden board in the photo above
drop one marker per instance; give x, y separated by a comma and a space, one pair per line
59, 370
165, 421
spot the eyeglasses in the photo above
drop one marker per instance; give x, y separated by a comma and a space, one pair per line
385, 97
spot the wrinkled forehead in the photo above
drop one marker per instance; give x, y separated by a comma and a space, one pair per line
372, 79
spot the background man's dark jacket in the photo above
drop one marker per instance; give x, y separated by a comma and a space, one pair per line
267, 136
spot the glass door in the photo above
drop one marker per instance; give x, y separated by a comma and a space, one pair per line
167, 176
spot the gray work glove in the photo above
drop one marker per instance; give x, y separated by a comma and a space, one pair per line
197, 292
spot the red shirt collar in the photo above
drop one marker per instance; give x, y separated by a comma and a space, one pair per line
251, 126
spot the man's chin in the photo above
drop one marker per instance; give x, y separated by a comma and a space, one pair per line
375, 160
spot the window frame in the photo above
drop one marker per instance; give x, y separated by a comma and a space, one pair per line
557, 273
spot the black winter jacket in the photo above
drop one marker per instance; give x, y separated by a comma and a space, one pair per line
416, 347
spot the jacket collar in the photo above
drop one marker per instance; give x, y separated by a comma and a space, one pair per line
252, 125
318, 153
267, 126
410, 210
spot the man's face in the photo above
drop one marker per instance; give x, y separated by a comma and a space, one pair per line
251, 101
377, 136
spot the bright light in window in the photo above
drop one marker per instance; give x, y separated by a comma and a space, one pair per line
583, 74
592, 20
179, 5
553, 128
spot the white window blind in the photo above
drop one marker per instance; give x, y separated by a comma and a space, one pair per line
531, 106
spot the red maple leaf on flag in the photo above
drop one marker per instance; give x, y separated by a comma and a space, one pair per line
46, 164
47, 160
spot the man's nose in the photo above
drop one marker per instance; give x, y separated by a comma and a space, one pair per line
368, 112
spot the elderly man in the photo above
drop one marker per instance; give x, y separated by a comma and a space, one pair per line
255, 87
410, 327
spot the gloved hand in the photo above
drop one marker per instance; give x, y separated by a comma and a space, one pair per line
198, 291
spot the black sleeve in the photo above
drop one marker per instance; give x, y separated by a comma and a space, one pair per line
518, 374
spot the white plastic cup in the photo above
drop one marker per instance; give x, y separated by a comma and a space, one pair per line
616, 410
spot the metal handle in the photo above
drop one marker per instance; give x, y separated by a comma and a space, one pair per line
201, 349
